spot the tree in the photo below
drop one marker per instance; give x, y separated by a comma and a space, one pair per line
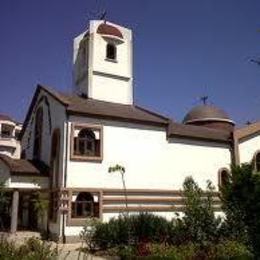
199, 221
241, 204
121, 170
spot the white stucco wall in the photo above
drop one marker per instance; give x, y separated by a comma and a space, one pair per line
150, 160
29, 182
10, 146
248, 147
97, 76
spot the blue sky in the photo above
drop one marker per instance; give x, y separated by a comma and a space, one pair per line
183, 49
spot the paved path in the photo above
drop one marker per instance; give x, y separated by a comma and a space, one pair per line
71, 252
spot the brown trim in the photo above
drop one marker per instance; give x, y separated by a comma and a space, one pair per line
72, 112
156, 200
146, 192
109, 198
85, 158
122, 209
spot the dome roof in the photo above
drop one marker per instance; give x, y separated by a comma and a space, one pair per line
109, 30
206, 113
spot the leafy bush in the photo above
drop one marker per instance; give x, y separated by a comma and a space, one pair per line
240, 197
222, 251
199, 221
126, 230
231, 250
32, 249
197, 235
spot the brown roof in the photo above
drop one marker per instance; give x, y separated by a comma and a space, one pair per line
198, 132
24, 167
107, 29
248, 130
77, 105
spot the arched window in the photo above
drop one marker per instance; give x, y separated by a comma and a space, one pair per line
257, 162
223, 177
85, 144
111, 51
83, 206
38, 134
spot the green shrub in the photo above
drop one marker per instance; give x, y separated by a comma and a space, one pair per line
149, 228
159, 251
231, 250
32, 249
126, 230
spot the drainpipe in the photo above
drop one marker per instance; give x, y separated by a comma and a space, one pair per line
65, 176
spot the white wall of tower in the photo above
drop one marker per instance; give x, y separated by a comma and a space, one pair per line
95, 75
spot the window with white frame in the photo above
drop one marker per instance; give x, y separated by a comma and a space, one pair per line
86, 142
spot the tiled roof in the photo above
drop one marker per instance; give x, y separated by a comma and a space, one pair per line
198, 132
25, 167
95, 108
76, 105
247, 130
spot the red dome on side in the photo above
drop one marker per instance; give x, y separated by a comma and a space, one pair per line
107, 29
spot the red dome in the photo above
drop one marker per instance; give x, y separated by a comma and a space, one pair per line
107, 29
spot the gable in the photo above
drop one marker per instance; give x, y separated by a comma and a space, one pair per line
53, 117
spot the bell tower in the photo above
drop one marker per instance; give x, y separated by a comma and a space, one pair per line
103, 62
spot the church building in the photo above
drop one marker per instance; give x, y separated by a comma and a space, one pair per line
69, 142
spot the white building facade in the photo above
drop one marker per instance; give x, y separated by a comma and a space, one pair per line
9, 133
71, 140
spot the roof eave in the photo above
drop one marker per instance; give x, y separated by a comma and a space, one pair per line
72, 112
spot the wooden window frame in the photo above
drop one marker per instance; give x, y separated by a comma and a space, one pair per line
75, 157
81, 221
